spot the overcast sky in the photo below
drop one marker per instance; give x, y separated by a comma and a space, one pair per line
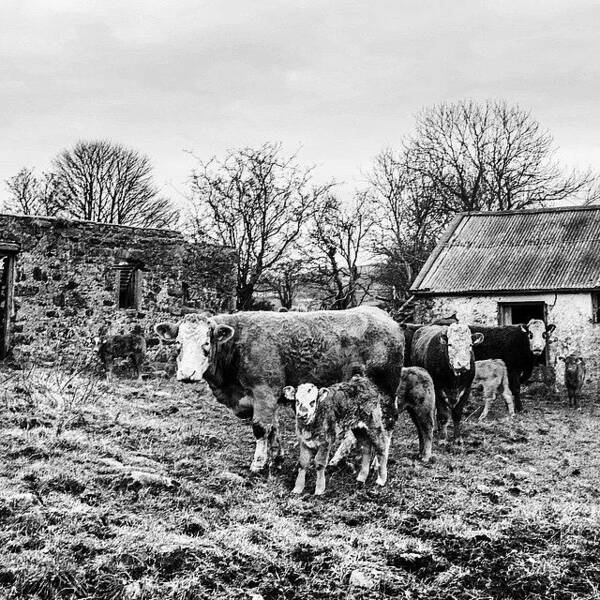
340, 79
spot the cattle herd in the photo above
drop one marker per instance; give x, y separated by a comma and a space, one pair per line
350, 373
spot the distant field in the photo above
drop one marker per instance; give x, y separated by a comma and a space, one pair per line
142, 491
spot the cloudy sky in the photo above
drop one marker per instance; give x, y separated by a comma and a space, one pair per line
339, 79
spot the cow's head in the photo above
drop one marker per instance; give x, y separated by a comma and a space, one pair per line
307, 397
460, 341
538, 333
98, 341
197, 336
572, 362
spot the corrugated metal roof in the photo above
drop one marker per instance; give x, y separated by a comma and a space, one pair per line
525, 250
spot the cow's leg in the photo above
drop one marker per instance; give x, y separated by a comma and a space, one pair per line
488, 397
365, 463
304, 462
425, 415
321, 463
344, 448
275, 447
510, 405
443, 415
514, 380
137, 364
265, 406
457, 411
384, 441
108, 367
414, 417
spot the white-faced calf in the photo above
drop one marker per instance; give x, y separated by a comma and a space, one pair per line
492, 375
321, 414
574, 376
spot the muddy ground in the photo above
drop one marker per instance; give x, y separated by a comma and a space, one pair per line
142, 491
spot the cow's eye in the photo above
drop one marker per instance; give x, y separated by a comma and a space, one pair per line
530, 335
206, 347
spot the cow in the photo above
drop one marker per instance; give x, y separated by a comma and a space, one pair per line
574, 376
248, 358
518, 346
356, 405
446, 352
416, 394
492, 375
131, 345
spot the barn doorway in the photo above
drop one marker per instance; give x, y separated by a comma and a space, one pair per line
7, 260
515, 313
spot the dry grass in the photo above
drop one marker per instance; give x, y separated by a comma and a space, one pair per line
141, 491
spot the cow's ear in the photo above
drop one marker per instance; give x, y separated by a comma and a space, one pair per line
443, 339
289, 393
322, 394
223, 333
167, 331
477, 338
550, 329
524, 328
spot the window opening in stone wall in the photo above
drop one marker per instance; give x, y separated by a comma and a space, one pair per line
129, 285
596, 307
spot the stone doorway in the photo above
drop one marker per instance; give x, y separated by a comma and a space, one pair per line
7, 267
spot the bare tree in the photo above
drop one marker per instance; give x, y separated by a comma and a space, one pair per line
410, 215
463, 157
256, 200
286, 280
109, 183
491, 156
33, 195
340, 235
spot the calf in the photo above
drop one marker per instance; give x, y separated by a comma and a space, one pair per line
574, 376
446, 352
518, 346
493, 376
321, 414
416, 394
132, 346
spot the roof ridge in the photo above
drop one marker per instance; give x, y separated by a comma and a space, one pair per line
524, 211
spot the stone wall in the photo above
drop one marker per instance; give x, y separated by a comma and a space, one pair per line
66, 284
570, 312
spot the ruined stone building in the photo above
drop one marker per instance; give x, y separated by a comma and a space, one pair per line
63, 281
509, 267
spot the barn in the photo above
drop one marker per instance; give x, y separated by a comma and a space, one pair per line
62, 281
511, 266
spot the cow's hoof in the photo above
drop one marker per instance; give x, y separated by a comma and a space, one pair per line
257, 466
297, 490
319, 492
381, 482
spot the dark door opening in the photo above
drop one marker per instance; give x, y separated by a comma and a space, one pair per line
517, 313
6, 303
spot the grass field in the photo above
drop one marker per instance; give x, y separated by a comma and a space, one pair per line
142, 491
